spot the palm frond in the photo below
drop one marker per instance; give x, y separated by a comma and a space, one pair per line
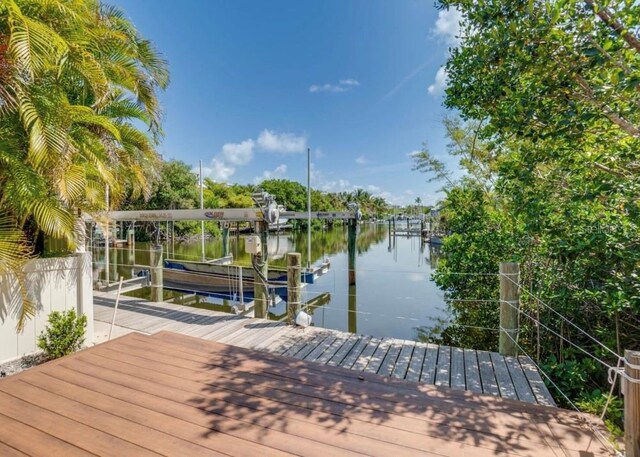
15, 251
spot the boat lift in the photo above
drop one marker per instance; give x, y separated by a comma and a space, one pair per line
267, 213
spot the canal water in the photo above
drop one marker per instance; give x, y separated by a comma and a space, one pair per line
393, 296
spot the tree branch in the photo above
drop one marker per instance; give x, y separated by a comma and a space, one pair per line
615, 25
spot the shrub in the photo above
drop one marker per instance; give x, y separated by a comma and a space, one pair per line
63, 335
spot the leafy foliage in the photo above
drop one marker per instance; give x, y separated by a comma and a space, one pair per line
76, 82
549, 92
63, 335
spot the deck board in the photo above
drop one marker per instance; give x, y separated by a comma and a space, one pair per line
458, 379
415, 365
503, 378
443, 366
463, 369
173, 394
472, 371
402, 364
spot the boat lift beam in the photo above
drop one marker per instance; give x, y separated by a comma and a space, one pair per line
224, 214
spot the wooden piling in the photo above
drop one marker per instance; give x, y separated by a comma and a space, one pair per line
509, 307
131, 238
155, 264
351, 247
632, 403
225, 239
294, 291
260, 293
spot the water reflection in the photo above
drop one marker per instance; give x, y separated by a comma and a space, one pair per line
384, 290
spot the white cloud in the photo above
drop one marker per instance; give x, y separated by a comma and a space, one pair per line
339, 185
342, 86
219, 170
318, 154
413, 154
279, 172
440, 83
408, 192
362, 160
238, 153
285, 143
448, 25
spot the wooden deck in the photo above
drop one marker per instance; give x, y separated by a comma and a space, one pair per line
479, 372
171, 394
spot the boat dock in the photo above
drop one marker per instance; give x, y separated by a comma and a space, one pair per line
172, 394
478, 372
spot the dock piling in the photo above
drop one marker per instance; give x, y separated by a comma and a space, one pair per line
260, 292
509, 307
155, 264
631, 391
294, 295
225, 239
351, 247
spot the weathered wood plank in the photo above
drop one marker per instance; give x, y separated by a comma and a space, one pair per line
332, 350
543, 396
443, 368
322, 347
415, 366
276, 339
487, 374
348, 353
299, 342
523, 390
378, 356
472, 371
366, 354
505, 384
429, 365
389, 361
320, 338
457, 369
402, 364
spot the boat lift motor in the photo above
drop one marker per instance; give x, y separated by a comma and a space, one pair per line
253, 245
268, 205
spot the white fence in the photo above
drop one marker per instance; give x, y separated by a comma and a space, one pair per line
54, 284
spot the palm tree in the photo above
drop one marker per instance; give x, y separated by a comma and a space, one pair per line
76, 79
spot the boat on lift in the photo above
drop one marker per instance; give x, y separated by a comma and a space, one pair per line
221, 275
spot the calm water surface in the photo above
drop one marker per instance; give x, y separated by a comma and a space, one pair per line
393, 294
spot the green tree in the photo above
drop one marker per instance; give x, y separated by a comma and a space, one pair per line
550, 89
76, 81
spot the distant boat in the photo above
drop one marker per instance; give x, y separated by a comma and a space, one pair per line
435, 240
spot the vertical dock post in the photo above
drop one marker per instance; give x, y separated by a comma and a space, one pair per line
260, 292
352, 302
225, 239
294, 295
351, 247
115, 257
631, 392
131, 239
509, 307
155, 269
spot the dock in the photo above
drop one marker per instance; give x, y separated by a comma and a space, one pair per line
172, 394
478, 372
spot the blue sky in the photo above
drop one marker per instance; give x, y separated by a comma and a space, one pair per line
254, 83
